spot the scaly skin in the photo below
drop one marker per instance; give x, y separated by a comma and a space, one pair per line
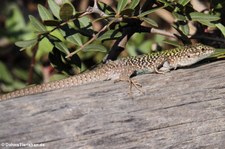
122, 69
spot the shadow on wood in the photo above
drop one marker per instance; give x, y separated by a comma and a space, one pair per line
181, 109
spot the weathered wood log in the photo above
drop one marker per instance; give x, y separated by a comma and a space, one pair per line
181, 109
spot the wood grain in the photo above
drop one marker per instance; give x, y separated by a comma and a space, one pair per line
181, 109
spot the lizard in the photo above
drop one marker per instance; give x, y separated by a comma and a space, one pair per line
123, 69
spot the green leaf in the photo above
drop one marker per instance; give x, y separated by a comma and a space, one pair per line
57, 43
66, 11
55, 77
173, 43
85, 22
179, 17
198, 16
110, 34
145, 46
44, 47
150, 11
149, 21
37, 25
218, 6
137, 38
13, 23
75, 39
58, 60
166, 3
219, 53
21, 74
55, 37
95, 47
62, 47
54, 8
184, 2
127, 12
26, 43
44, 13
12, 86
221, 27
133, 3
207, 23
5, 74
184, 28
107, 9
121, 5
75, 59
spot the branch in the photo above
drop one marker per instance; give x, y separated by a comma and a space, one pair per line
102, 14
162, 32
207, 37
32, 63
120, 43
95, 9
87, 43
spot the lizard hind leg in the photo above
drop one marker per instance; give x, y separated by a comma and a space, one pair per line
132, 82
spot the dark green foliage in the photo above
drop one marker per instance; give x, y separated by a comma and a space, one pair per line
73, 25
62, 64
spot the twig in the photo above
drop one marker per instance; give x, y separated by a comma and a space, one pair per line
87, 43
117, 48
95, 9
34, 52
207, 37
120, 43
162, 32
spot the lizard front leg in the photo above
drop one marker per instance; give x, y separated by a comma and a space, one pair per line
167, 66
162, 65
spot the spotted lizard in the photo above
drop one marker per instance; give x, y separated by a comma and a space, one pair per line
124, 68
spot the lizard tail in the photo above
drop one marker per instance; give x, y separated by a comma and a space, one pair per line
79, 79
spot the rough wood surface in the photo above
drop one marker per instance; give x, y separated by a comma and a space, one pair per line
181, 109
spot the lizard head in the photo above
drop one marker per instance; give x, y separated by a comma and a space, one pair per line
189, 55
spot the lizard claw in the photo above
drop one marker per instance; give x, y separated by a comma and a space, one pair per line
132, 83
136, 84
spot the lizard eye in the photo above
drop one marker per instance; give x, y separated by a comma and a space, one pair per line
203, 49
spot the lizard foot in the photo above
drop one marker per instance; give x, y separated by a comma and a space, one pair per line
132, 83
162, 70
